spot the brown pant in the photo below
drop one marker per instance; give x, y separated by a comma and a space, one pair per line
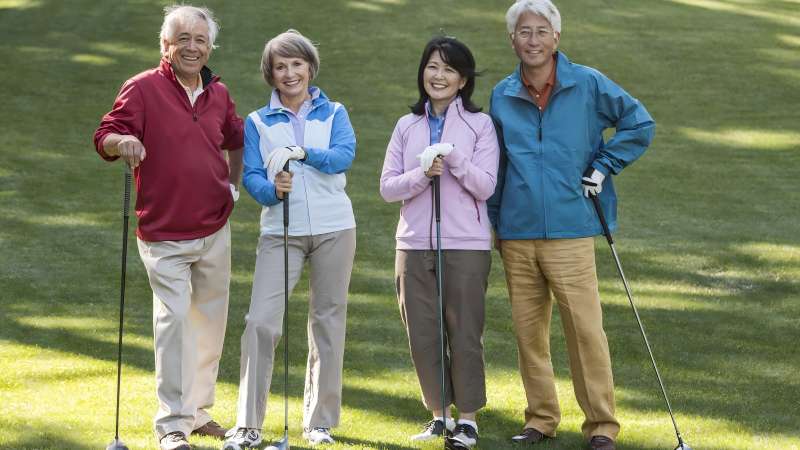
465, 275
566, 267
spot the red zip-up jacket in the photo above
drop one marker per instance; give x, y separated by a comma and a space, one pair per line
182, 187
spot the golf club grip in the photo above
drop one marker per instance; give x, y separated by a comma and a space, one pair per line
286, 200
437, 208
602, 217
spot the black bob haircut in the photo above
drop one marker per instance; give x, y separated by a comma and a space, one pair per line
456, 55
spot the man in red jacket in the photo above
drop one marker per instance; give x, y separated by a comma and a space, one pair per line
171, 125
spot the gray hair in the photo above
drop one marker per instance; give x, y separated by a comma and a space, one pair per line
544, 8
179, 14
289, 44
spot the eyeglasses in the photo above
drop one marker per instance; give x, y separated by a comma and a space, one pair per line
526, 34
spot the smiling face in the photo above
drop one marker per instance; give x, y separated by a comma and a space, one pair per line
442, 82
534, 41
291, 76
188, 50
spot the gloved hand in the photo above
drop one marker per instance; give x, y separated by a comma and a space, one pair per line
431, 152
278, 157
234, 192
592, 182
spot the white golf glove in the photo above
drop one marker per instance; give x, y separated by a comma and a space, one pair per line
278, 157
234, 192
592, 182
431, 152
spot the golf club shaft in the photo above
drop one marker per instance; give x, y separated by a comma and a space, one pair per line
286, 308
439, 277
126, 201
610, 239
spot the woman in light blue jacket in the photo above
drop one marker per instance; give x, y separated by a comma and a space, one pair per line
445, 135
302, 126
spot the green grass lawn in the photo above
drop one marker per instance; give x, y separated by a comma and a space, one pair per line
709, 219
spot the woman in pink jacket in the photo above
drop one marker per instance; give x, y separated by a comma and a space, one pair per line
446, 135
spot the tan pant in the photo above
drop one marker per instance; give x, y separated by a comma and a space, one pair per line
464, 288
330, 257
566, 267
190, 281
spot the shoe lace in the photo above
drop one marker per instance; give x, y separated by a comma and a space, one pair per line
240, 433
322, 430
431, 425
465, 429
175, 436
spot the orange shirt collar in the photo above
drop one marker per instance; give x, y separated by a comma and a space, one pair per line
541, 98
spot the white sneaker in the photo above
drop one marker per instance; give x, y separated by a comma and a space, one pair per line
464, 436
174, 441
434, 429
243, 438
318, 435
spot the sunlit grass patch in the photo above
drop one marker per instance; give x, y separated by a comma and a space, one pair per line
707, 221
746, 139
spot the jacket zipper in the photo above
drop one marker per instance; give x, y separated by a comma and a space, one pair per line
541, 169
303, 171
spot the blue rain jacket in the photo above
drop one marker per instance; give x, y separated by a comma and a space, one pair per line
543, 154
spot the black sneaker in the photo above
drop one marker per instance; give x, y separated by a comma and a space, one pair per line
464, 436
434, 429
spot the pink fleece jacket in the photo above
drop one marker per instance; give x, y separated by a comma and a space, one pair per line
469, 179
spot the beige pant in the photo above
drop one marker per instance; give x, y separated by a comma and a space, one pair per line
464, 288
566, 267
190, 281
330, 258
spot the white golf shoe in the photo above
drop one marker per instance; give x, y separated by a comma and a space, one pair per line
243, 438
434, 429
318, 435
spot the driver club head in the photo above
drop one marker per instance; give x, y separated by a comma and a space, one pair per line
283, 444
116, 444
683, 446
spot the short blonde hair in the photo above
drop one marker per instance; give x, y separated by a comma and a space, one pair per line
289, 44
178, 14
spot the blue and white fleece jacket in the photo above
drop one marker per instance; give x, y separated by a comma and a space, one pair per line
318, 203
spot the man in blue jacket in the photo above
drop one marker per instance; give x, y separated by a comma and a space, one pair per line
550, 115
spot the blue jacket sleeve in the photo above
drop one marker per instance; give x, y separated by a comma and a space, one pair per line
635, 127
493, 203
339, 155
255, 177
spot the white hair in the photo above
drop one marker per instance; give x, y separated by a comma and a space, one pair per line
544, 8
181, 14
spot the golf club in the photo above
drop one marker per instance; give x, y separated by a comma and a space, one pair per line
283, 444
681, 445
116, 444
439, 277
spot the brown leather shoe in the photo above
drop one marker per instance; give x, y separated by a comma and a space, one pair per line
211, 428
602, 443
529, 436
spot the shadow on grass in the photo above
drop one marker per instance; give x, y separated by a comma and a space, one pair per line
731, 362
37, 440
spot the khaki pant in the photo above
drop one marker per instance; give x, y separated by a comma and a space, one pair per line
330, 258
190, 281
464, 288
566, 267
